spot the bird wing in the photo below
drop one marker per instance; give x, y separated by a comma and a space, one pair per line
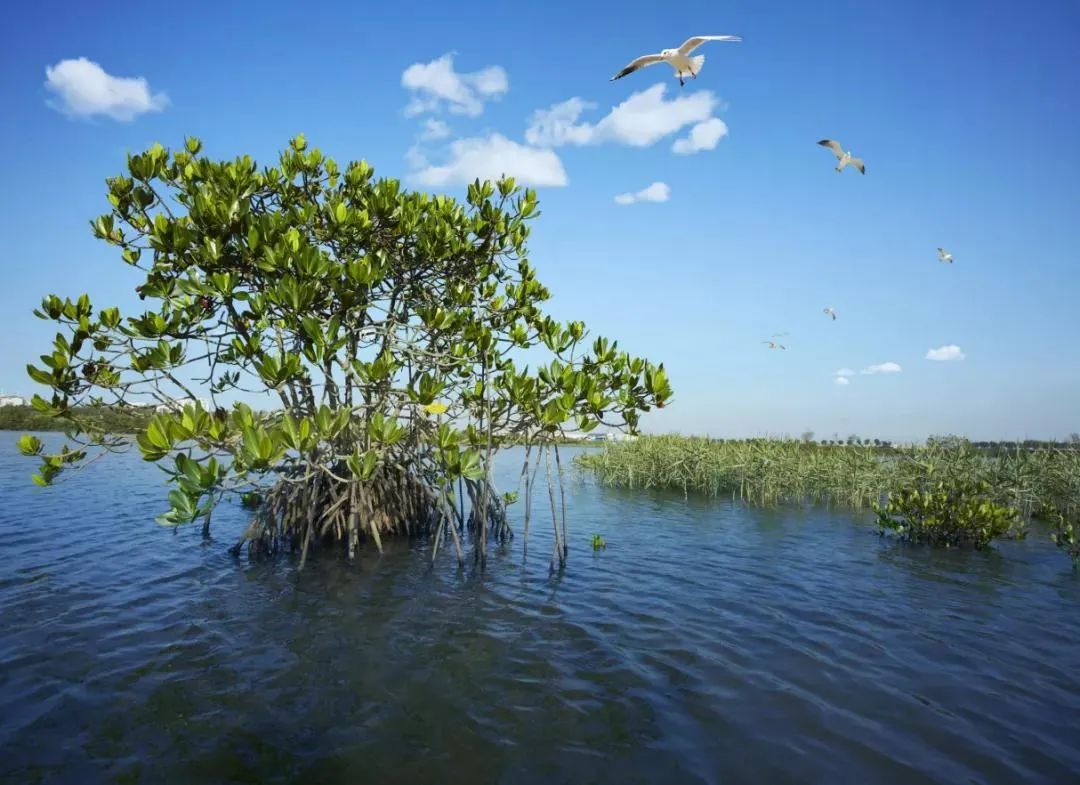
640, 62
858, 164
693, 43
833, 145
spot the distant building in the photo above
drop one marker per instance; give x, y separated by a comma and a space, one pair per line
13, 400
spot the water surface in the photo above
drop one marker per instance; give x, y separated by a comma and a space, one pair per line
708, 643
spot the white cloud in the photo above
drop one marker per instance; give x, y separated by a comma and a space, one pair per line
881, 368
845, 372
83, 89
657, 192
437, 84
641, 120
559, 124
945, 353
434, 130
703, 136
843, 381
489, 158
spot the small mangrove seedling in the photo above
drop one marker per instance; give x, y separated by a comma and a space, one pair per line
250, 500
1065, 534
598, 543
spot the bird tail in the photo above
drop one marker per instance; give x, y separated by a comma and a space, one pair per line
696, 63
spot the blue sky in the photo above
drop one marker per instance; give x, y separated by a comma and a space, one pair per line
964, 112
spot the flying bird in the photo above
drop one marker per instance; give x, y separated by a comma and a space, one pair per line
679, 59
845, 157
775, 345
944, 256
831, 312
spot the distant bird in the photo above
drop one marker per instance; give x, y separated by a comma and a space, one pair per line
775, 345
944, 256
679, 59
831, 312
845, 157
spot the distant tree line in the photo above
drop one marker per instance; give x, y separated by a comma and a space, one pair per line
112, 419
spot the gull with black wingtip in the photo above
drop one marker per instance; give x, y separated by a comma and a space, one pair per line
679, 59
844, 157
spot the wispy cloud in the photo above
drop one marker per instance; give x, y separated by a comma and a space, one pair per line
434, 130
845, 372
945, 353
416, 157
843, 381
870, 370
641, 120
491, 157
703, 136
657, 192
83, 89
437, 85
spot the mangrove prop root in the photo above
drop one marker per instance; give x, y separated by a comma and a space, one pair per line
326, 510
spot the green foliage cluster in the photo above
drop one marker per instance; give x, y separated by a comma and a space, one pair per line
950, 513
387, 326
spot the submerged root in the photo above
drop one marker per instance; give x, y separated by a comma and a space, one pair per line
325, 510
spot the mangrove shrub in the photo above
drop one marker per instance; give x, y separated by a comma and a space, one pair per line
384, 329
949, 513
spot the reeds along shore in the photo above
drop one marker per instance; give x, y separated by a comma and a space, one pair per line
768, 472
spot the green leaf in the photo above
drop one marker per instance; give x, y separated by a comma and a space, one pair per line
39, 376
157, 433
29, 445
470, 465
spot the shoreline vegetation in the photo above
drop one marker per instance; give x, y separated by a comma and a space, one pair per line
916, 491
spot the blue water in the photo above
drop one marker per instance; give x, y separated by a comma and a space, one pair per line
707, 643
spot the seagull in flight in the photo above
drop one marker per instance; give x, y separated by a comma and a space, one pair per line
775, 345
679, 59
844, 157
944, 256
830, 311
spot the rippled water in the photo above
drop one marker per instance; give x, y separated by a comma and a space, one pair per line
708, 643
